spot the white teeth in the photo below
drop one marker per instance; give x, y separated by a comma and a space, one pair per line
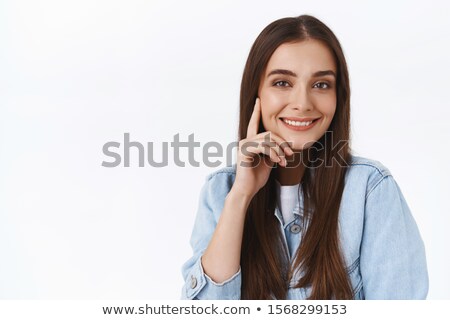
298, 123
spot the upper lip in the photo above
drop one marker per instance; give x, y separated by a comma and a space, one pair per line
298, 119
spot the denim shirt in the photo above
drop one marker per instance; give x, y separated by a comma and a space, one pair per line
380, 241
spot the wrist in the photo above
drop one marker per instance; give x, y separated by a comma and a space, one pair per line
239, 197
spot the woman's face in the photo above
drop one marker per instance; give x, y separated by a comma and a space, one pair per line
299, 86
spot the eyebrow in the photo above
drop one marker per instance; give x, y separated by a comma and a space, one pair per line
293, 74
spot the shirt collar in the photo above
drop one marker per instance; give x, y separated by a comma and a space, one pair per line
298, 210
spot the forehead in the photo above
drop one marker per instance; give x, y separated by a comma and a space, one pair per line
304, 57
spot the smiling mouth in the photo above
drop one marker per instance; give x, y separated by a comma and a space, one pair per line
294, 123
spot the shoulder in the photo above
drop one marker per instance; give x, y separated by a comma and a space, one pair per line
216, 187
223, 173
222, 178
365, 171
362, 163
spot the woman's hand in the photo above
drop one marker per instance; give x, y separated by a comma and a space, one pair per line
257, 154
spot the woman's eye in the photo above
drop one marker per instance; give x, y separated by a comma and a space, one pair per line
322, 85
281, 84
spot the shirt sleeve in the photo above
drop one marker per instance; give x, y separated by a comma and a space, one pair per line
393, 262
197, 285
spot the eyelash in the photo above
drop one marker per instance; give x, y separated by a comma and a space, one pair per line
328, 85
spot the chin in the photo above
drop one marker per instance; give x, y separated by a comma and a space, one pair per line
302, 145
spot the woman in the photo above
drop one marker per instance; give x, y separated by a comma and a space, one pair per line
297, 216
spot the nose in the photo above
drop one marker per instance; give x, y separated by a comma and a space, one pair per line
300, 100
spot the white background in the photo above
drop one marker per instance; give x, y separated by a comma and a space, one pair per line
77, 74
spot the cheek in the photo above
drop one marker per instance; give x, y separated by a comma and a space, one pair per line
274, 101
270, 108
329, 115
331, 111
328, 106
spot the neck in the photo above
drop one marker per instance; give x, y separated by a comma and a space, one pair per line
293, 172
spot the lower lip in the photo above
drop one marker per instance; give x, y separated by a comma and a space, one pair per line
300, 128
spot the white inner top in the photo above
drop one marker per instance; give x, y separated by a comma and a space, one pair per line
287, 197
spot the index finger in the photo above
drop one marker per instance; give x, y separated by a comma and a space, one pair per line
253, 124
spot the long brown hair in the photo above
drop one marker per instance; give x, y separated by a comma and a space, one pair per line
266, 271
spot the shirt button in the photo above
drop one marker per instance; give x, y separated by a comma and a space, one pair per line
295, 228
193, 282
